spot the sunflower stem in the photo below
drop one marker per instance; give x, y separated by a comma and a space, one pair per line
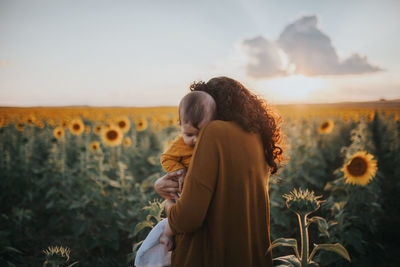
304, 238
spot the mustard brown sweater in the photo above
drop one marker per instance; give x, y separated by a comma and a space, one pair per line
222, 217
176, 156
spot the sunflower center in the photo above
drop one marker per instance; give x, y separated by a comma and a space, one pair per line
59, 133
325, 125
140, 123
357, 167
122, 124
112, 135
76, 126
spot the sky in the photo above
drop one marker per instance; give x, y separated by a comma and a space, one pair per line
148, 52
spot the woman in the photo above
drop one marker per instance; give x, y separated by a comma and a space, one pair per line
222, 217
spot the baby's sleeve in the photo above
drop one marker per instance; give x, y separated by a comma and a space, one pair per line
170, 159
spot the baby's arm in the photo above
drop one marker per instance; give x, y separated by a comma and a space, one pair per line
173, 158
171, 163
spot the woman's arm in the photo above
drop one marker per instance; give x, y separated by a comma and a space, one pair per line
189, 212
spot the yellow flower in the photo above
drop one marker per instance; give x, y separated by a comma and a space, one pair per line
123, 124
20, 126
94, 146
98, 128
39, 124
30, 119
370, 116
57, 255
76, 127
302, 202
2, 122
141, 124
51, 122
326, 127
127, 142
172, 121
87, 129
112, 136
65, 124
58, 132
360, 169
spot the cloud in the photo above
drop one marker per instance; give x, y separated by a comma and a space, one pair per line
309, 52
2, 63
265, 58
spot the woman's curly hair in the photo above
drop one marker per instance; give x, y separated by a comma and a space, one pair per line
236, 103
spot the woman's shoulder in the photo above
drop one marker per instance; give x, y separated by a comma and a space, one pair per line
219, 128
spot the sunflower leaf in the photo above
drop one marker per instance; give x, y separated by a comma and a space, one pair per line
337, 247
286, 242
289, 260
322, 224
140, 226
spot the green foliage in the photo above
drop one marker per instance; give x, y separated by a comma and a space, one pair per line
56, 192
305, 259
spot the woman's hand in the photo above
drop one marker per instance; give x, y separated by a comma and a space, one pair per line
168, 185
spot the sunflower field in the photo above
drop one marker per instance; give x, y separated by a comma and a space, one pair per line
77, 183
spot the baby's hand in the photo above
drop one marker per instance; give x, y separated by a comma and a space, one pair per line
167, 241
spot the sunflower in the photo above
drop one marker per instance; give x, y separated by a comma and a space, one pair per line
76, 127
65, 124
39, 124
20, 126
51, 122
141, 124
302, 202
57, 255
360, 169
58, 132
326, 127
123, 124
370, 116
2, 122
87, 129
30, 119
112, 136
94, 146
172, 121
127, 142
98, 128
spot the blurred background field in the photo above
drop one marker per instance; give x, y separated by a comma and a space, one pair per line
82, 178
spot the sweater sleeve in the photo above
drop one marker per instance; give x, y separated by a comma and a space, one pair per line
171, 159
189, 212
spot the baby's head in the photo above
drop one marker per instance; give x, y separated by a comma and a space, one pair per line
196, 109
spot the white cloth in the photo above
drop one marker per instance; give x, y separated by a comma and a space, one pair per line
152, 253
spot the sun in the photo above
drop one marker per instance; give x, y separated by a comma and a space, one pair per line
294, 88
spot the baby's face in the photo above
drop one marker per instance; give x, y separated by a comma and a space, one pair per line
190, 133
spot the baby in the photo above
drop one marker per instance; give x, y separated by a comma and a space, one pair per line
196, 109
